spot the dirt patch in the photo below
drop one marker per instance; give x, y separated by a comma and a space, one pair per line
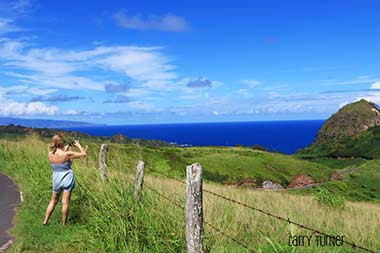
301, 180
335, 176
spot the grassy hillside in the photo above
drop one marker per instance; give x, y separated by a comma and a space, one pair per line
226, 165
362, 184
105, 217
365, 145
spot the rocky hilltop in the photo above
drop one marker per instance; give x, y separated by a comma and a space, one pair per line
349, 121
353, 131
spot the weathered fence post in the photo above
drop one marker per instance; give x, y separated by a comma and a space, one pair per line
139, 179
102, 161
194, 212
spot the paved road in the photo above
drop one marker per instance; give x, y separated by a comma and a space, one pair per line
9, 199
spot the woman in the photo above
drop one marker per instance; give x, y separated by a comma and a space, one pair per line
60, 158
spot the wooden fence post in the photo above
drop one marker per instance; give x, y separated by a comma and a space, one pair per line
194, 212
139, 179
102, 161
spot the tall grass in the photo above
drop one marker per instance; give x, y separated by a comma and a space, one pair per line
104, 217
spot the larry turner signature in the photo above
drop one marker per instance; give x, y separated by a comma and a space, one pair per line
316, 240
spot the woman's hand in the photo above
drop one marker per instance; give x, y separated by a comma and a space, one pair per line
82, 153
77, 144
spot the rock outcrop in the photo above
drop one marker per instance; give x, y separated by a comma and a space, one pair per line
299, 181
269, 185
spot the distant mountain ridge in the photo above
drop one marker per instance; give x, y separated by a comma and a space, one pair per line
44, 123
14, 132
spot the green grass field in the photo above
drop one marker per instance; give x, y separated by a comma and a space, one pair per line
104, 217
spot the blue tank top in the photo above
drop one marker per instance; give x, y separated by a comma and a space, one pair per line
61, 166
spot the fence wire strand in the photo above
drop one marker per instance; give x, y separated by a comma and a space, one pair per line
204, 221
254, 209
354, 245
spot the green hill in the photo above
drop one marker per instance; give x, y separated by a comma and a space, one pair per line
350, 139
354, 131
349, 121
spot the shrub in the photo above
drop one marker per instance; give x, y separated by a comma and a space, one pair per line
327, 198
259, 147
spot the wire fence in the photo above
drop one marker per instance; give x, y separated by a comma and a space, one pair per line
352, 244
271, 214
178, 205
204, 221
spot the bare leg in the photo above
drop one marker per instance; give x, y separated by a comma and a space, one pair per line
51, 206
65, 206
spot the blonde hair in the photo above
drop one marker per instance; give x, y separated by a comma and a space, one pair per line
57, 142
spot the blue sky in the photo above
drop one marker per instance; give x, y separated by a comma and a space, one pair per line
139, 62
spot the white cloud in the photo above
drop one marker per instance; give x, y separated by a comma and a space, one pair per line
243, 92
70, 112
136, 92
251, 83
60, 68
15, 8
21, 5
40, 108
143, 64
191, 96
167, 22
6, 26
13, 108
343, 104
143, 106
358, 80
216, 83
26, 90
375, 85
373, 96
39, 91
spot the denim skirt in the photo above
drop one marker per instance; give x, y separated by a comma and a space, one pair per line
63, 181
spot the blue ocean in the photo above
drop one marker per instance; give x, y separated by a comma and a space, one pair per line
283, 136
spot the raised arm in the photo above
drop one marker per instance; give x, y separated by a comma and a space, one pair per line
73, 155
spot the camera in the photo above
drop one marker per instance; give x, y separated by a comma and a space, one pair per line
70, 142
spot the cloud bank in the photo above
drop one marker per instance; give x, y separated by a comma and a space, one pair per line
168, 22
